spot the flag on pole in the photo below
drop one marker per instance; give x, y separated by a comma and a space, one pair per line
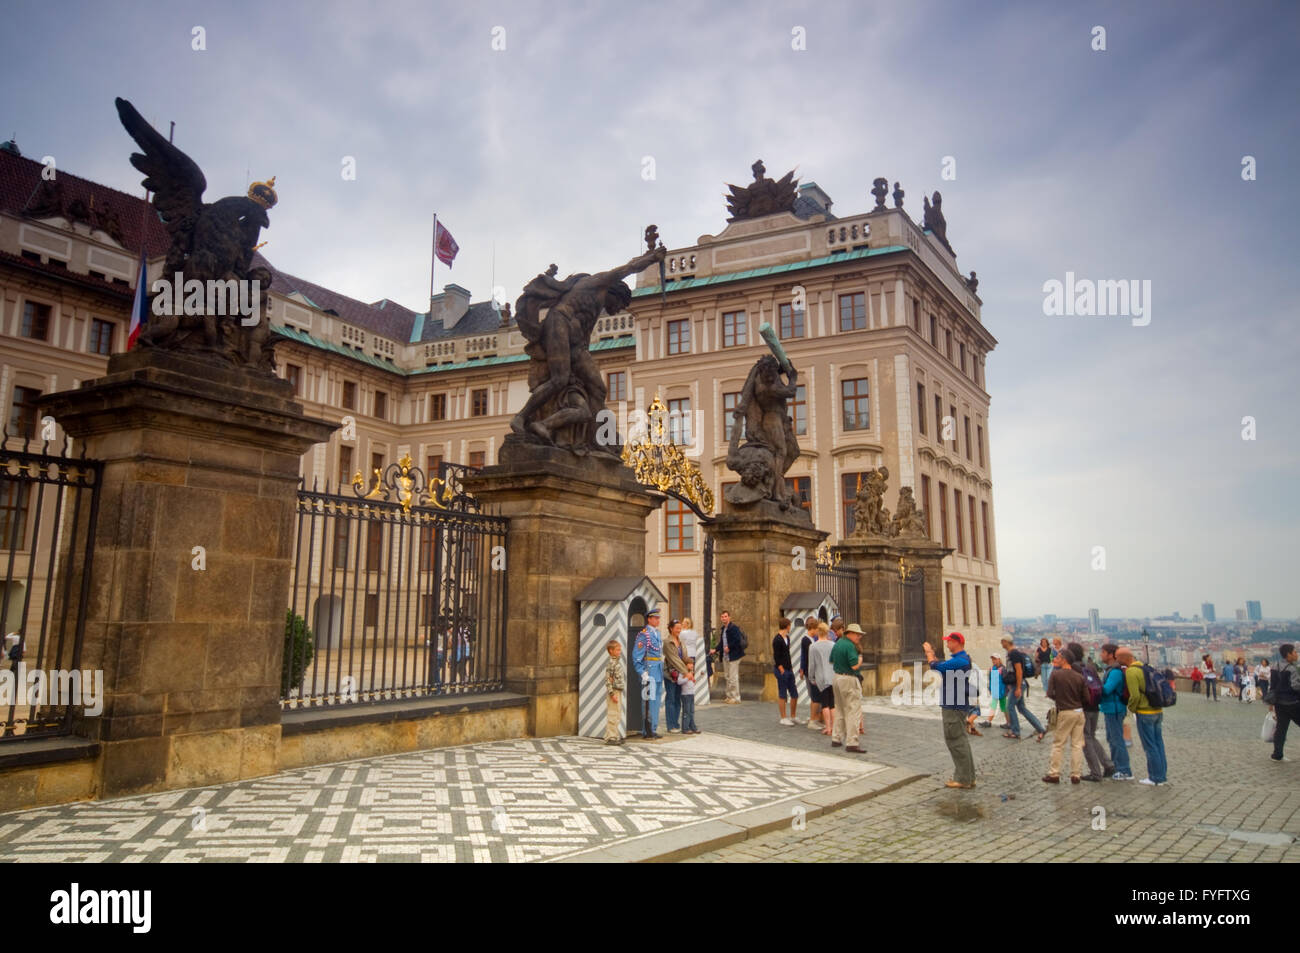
444, 246
140, 306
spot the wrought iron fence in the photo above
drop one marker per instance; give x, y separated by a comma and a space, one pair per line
49, 506
398, 592
842, 586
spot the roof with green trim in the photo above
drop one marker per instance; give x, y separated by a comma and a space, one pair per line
687, 283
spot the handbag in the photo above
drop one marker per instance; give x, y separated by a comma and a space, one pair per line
1270, 726
1051, 718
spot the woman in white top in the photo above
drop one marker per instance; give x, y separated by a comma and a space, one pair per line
1211, 679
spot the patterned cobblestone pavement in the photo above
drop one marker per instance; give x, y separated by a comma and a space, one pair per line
1226, 800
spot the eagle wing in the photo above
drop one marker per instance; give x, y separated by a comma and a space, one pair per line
175, 180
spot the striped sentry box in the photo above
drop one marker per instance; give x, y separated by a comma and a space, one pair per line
607, 609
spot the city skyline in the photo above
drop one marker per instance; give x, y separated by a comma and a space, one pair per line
1101, 427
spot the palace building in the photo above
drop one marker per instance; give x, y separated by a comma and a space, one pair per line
884, 331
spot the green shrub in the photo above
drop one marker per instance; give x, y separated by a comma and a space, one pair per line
298, 651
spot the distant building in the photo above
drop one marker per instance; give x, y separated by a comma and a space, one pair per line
1049, 620
1241, 615
1207, 611
1253, 612
1094, 621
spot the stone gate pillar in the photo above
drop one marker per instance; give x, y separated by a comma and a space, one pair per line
761, 556
189, 586
572, 519
880, 611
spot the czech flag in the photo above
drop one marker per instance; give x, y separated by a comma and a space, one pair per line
140, 306
444, 246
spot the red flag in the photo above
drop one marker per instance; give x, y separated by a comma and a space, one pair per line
140, 306
444, 246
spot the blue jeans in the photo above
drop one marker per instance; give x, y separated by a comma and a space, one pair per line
672, 704
1115, 738
688, 713
1018, 704
1153, 744
1045, 675
652, 692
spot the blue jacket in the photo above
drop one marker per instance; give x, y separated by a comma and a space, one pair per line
648, 653
1112, 687
731, 632
954, 689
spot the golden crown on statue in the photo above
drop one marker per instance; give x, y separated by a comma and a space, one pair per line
263, 193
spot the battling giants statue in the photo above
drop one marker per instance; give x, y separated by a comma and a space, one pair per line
770, 446
566, 388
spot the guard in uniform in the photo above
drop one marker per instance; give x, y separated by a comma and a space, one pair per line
648, 660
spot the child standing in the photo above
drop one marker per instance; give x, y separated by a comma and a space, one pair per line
615, 686
688, 699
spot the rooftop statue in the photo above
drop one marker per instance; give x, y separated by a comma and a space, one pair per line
762, 196
211, 241
933, 220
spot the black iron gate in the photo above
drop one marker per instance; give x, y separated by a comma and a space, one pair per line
398, 592
913, 602
48, 503
842, 586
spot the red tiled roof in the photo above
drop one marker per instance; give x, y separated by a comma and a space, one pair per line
391, 321
20, 178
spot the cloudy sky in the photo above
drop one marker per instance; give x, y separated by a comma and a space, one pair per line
1117, 164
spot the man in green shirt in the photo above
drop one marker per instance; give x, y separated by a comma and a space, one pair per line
846, 662
1149, 719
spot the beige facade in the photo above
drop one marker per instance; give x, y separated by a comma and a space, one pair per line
885, 314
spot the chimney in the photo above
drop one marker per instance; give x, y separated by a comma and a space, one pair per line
451, 305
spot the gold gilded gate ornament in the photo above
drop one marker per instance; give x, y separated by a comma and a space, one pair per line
407, 484
660, 463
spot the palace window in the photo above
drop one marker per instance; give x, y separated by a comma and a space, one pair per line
979, 611
992, 618
437, 406
381, 405
952, 412
36, 321
943, 513
433, 463
735, 329
679, 601
920, 407
938, 418
679, 336
855, 404
729, 402
849, 483
349, 395
947, 591
479, 402
961, 348
13, 514
478, 459
679, 422
791, 322
342, 536
965, 611
800, 489
965, 426
799, 410
101, 336
22, 412
934, 332
680, 527
293, 374
345, 467
853, 312
974, 545
961, 540
616, 385
925, 504
988, 553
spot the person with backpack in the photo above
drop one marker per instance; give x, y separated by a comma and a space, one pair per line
1099, 766
1016, 673
1283, 698
1149, 709
1113, 708
954, 703
1068, 689
731, 649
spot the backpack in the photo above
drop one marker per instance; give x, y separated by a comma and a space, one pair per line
1027, 665
1094, 688
742, 639
1158, 689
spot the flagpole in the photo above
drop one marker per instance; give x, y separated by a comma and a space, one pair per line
433, 264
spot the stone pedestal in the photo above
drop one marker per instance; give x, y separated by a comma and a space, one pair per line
880, 610
572, 519
761, 556
192, 558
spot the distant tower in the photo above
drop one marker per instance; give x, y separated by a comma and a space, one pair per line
1207, 611
1094, 621
1253, 613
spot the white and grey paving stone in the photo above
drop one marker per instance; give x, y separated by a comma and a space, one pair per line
524, 800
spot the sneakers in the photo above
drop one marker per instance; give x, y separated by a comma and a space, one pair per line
1271, 758
1148, 781
1121, 776
815, 724
787, 722
674, 731
958, 784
